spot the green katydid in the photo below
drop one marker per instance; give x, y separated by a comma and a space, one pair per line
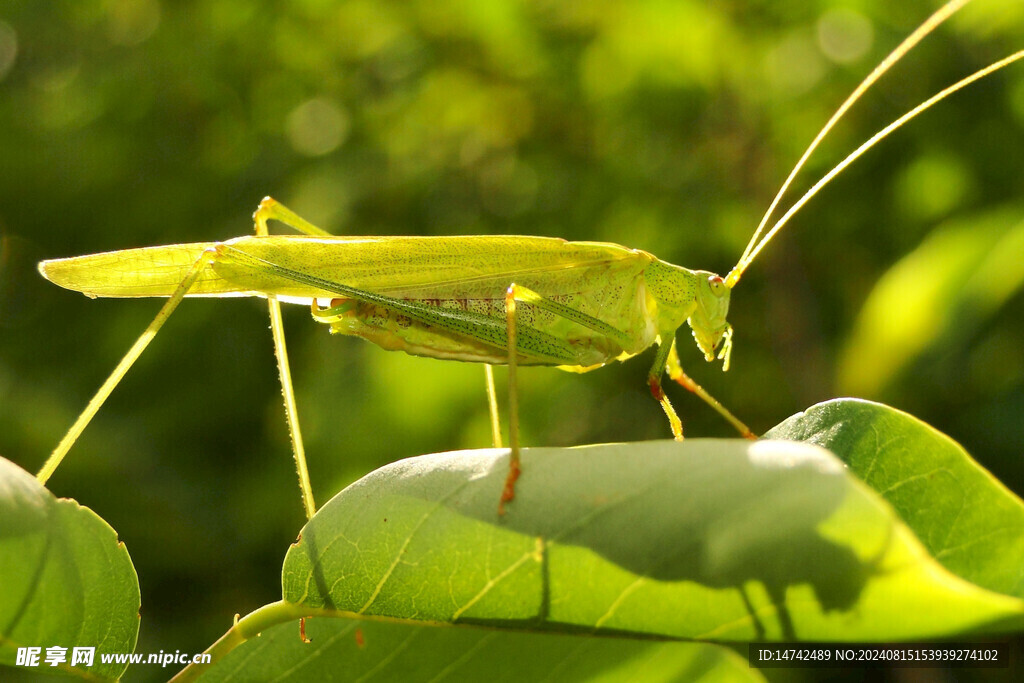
512, 300
577, 305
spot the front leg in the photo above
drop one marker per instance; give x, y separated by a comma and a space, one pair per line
675, 371
654, 381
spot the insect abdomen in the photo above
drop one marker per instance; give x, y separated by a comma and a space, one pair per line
148, 271
394, 330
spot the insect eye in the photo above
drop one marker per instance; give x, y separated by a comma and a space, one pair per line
717, 284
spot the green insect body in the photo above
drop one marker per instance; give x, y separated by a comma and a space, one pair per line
441, 297
496, 300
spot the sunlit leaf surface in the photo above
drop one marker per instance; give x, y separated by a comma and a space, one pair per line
966, 519
726, 540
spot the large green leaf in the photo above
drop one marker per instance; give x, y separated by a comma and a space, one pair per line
725, 540
354, 650
67, 580
965, 517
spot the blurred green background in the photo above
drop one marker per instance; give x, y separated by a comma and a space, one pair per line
660, 125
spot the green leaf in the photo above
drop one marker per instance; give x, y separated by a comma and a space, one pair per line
966, 518
67, 580
349, 649
957, 278
715, 540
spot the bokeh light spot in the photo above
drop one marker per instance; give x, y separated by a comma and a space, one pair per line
845, 35
795, 65
932, 186
317, 127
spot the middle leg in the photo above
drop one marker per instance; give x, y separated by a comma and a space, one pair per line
514, 469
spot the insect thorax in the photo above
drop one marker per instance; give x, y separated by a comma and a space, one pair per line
674, 290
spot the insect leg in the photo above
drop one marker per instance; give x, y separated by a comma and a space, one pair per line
514, 470
654, 381
492, 404
675, 371
205, 259
519, 293
270, 209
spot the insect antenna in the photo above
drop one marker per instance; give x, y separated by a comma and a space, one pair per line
898, 53
755, 244
744, 262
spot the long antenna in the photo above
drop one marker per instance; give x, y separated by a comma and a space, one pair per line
875, 139
929, 25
